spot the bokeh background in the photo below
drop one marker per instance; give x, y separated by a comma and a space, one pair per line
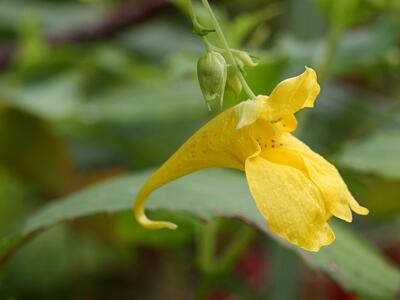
93, 89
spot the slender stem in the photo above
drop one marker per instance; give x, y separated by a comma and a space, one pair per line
336, 31
126, 15
207, 44
207, 244
214, 270
245, 236
340, 10
330, 50
191, 10
226, 47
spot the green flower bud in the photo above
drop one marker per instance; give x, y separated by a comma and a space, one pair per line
212, 75
245, 59
233, 81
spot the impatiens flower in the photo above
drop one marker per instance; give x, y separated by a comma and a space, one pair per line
295, 189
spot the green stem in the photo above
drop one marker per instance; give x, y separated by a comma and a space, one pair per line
213, 270
209, 47
191, 10
226, 47
236, 249
207, 244
330, 50
336, 31
340, 11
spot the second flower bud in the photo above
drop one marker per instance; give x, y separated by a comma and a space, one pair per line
212, 73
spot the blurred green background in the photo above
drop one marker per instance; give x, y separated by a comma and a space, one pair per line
94, 89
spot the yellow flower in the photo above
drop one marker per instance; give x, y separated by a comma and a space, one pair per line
295, 189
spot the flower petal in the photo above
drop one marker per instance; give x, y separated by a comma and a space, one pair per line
331, 185
334, 190
248, 112
293, 94
356, 207
287, 123
216, 144
290, 202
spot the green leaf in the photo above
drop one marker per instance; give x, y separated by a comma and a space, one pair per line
381, 198
14, 202
50, 174
245, 23
356, 49
56, 16
58, 251
159, 39
378, 154
155, 101
347, 12
220, 193
361, 48
358, 266
53, 99
61, 98
8, 244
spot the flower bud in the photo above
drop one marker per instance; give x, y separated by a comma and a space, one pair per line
245, 59
212, 75
233, 82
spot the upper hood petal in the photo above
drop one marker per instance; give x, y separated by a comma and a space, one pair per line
293, 94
